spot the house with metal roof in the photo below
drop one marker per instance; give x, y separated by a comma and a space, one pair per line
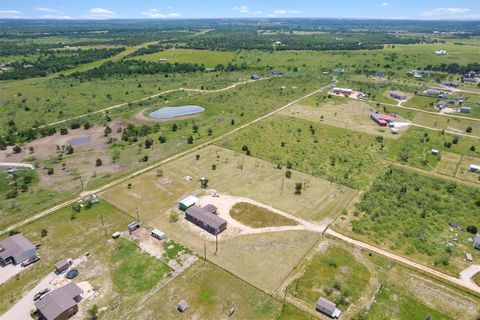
63, 265
398, 95
60, 304
205, 220
16, 249
328, 308
441, 104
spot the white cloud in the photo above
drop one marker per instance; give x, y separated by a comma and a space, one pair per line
282, 12
99, 13
47, 10
385, 4
245, 9
56, 17
11, 14
445, 12
155, 13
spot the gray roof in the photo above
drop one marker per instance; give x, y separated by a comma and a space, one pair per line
182, 305
205, 216
210, 208
14, 246
477, 238
62, 264
442, 103
58, 301
326, 305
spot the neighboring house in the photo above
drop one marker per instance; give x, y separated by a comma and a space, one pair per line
342, 91
60, 304
205, 220
158, 234
378, 118
379, 74
433, 92
63, 265
451, 84
398, 95
328, 308
16, 249
476, 241
441, 104
187, 202
277, 73
435, 152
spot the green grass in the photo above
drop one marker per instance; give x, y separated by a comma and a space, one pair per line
258, 217
409, 213
334, 274
66, 239
392, 304
173, 249
205, 57
132, 271
335, 154
476, 278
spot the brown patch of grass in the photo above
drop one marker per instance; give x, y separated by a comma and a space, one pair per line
258, 217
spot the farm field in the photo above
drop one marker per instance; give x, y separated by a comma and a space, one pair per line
205, 57
388, 216
366, 286
335, 154
448, 123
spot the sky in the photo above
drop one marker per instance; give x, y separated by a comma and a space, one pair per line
188, 9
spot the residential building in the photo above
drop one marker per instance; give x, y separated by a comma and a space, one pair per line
398, 95
441, 104
328, 308
342, 91
60, 304
433, 92
205, 220
16, 249
465, 109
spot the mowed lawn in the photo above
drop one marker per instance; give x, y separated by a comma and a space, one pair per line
66, 238
206, 57
344, 156
258, 217
211, 293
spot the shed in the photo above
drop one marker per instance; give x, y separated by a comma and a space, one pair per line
474, 168
277, 73
63, 265
182, 306
187, 202
476, 241
441, 104
469, 257
465, 109
158, 234
116, 235
16, 249
435, 152
61, 303
379, 74
255, 77
328, 308
133, 226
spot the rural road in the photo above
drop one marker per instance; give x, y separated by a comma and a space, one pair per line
16, 164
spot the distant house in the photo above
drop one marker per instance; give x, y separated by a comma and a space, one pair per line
277, 73
205, 220
435, 152
433, 92
476, 241
63, 265
158, 234
16, 249
398, 95
328, 308
163, 59
337, 90
451, 84
378, 118
440, 52
474, 168
255, 77
465, 110
60, 304
187, 202
182, 306
441, 104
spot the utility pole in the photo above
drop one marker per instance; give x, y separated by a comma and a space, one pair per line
284, 298
103, 225
136, 210
281, 190
81, 182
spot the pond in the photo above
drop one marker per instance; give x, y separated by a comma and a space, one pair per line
78, 141
174, 112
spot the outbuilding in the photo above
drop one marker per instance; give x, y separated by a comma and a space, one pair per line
277, 73
398, 95
337, 90
255, 77
328, 308
133, 226
205, 220
63, 265
182, 306
476, 241
441, 104
433, 92
16, 249
187, 202
465, 110
158, 234
60, 304
474, 168
435, 152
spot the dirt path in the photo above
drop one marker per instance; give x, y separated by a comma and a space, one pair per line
467, 274
447, 131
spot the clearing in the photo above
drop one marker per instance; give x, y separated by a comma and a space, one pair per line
258, 217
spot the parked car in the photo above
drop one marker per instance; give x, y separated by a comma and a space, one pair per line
41, 294
72, 274
30, 261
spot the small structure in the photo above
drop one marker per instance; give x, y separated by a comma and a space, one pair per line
163, 59
158, 234
454, 224
440, 52
378, 118
474, 168
433, 92
441, 104
16, 249
210, 208
398, 95
133, 226
277, 73
205, 220
435, 152
60, 304
342, 91
469, 257
182, 306
451, 84
328, 308
255, 77
116, 235
379, 74
476, 241
465, 110
63, 265
187, 202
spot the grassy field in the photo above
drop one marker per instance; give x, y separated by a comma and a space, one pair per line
335, 154
258, 217
409, 213
66, 238
447, 123
476, 278
205, 57
210, 293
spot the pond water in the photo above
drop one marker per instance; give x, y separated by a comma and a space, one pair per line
174, 112
78, 141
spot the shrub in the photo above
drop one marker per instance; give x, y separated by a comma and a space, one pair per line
173, 217
98, 162
43, 233
472, 229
